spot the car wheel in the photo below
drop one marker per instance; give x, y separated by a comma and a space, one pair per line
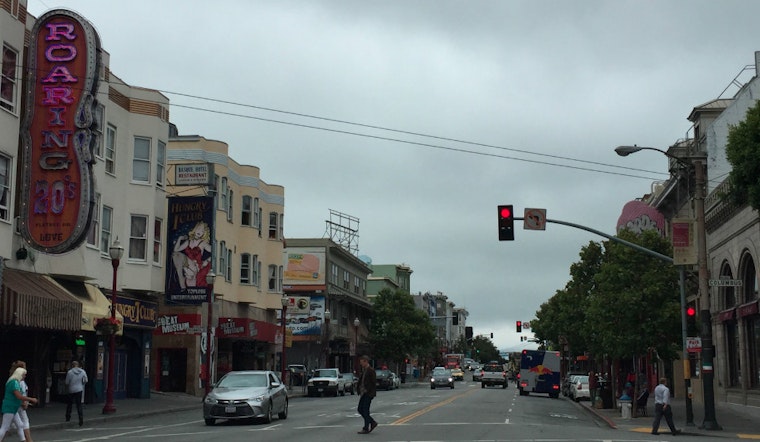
210, 421
284, 413
432, 387
452, 386
482, 385
270, 414
343, 392
504, 386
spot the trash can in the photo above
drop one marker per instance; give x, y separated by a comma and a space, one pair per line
625, 409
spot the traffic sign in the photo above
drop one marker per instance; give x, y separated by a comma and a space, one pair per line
534, 219
694, 345
726, 283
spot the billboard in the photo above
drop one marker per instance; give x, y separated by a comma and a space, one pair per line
304, 266
58, 195
310, 322
189, 226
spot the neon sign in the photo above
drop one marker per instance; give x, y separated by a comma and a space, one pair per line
58, 187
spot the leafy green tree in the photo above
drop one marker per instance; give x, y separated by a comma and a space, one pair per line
636, 304
398, 328
743, 152
564, 314
484, 350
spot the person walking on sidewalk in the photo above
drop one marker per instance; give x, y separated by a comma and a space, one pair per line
12, 401
76, 378
367, 391
22, 418
662, 408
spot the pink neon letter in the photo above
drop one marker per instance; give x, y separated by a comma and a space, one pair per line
70, 49
57, 95
57, 30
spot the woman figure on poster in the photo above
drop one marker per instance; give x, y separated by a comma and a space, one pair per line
192, 256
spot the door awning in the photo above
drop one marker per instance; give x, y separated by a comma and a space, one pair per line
95, 304
35, 300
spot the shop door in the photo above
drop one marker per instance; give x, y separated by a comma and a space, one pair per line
120, 378
173, 369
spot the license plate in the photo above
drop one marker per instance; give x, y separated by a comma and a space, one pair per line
230, 409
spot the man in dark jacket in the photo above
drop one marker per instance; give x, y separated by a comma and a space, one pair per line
367, 391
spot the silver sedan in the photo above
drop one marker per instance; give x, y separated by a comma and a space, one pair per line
246, 395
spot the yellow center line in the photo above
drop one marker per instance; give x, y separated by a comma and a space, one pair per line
429, 408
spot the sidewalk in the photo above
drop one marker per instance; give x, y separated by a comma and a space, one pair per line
737, 421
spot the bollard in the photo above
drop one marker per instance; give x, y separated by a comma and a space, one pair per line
626, 409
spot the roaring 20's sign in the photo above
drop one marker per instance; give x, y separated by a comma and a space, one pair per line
58, 187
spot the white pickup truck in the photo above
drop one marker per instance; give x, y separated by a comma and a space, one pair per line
326, 381
493, 373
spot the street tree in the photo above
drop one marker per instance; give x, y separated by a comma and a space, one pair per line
743, 153
398, 328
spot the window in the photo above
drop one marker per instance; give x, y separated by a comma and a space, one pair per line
141, 160
230, 198
97, 130
256, 266
256, 214
357, 285
334, 274
160, 164
223, 257
5, 187
228, 270
346, 279
110, 149
280, 273
282, 223
105, 229
138, 235
8, 83
245, 218
223, 195
92, 234
157, 229
245, 268
273, 278
273, 225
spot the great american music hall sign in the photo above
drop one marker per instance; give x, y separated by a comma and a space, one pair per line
58, 140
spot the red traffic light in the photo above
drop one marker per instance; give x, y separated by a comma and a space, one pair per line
518, 326
691, 311
505, 211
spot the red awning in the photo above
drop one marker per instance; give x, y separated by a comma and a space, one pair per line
35, 300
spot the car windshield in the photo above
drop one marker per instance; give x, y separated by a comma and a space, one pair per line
441, 372
326, 373
243, 380
493, 368
382, 372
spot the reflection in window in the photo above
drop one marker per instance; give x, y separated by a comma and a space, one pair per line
138, 234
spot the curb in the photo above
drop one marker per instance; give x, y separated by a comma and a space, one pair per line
599, 416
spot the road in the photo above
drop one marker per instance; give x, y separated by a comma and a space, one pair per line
466, 413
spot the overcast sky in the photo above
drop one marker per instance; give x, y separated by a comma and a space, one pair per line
521, 102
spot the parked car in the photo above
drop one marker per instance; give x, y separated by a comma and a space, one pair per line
297, 374
579, 388
326, 381
565, 388
457, 374
257, 394
351, 382
441, 377
476, 366
384, 379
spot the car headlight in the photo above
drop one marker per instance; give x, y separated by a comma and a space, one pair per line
210, 400
451, 379
432, 379
260, 398
332, 383
310, 383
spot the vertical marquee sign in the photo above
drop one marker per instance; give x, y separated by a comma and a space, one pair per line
58, 186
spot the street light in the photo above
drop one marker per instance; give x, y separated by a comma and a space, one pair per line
708, 376
210, 276
116, 251
356, 343
327, 340
285, 300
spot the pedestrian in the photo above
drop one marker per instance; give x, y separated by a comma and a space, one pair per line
22, 418
76, 378
662, 408
367, 392
12, 401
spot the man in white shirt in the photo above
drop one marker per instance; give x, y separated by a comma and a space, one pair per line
662, 408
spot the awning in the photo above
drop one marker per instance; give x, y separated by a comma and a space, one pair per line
35, 300
94, 303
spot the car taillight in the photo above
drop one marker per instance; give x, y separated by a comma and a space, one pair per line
503, 374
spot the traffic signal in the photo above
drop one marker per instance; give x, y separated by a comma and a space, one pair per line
691, 321
519, 326
506, 223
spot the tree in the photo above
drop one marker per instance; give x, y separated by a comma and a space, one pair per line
743, 152
635, 306
398, 328
484, 350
